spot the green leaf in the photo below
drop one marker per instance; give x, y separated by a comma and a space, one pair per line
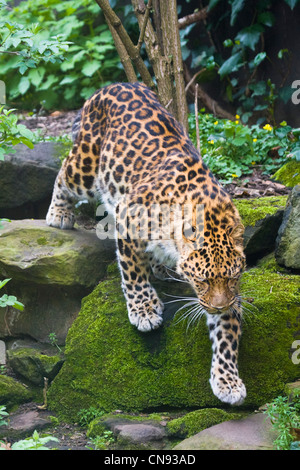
236, 7
249, 36
292, 3
267, 18
297, 155
212, 4
24, 85
90, 68
231, 65
2, 283
259, 58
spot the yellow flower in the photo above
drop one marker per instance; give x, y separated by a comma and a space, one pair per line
211, 142
216, 122
234, 175
237, 122
253, 163
267, 127
254, 140
237, 116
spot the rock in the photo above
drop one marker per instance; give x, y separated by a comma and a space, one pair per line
131, 432
262, 218
34, 366
111, 365
252, 433
34, 171
12, 393
139, 436
196, 421
23, 423
288, 240
51, 271
2, 353
289, 174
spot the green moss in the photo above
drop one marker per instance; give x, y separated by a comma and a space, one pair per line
289, 174
252, 210
32, 365
42, 241
110, 365
12, 393
269, 263
196, 421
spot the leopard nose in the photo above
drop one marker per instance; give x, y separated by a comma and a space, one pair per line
218, 307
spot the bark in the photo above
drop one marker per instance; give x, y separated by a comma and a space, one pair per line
161, 64
182, 109
131, 49
193, 18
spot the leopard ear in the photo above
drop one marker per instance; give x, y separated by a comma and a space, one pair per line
237, 235
238, 231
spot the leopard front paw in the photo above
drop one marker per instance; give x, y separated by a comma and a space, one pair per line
147, 317
62, 219
229, 390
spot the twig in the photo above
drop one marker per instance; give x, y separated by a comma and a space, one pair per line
45, 389
122, 52
131, 49
193, 18
143, 28
197, 120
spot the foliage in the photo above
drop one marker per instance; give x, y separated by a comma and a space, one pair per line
53, 341
234, 50
90, 61
36, 442
9, 300
284, 417
12, 133
85, 416
102, 442
3, 414
232, 149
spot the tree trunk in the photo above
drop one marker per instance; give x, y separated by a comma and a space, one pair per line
163, 49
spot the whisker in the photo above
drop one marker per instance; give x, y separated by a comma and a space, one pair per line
185, 314
182, 300
196, 317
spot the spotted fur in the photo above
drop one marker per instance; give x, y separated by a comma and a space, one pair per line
128, 148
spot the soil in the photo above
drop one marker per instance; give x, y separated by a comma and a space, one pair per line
257, 184
29, 417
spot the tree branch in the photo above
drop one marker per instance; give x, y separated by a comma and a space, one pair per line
122, 52
143, 28
131, 49
193, 18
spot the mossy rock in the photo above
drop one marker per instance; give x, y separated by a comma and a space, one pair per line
34, 366
197, 420
289, 174
262, 218
110, 365
254, 210
32, 251
13, 393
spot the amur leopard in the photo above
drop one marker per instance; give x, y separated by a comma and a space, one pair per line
128, 152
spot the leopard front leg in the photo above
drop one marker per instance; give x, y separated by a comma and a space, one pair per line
225, 332
144, 307
60, 212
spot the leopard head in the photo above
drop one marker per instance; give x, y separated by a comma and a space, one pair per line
214, 270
